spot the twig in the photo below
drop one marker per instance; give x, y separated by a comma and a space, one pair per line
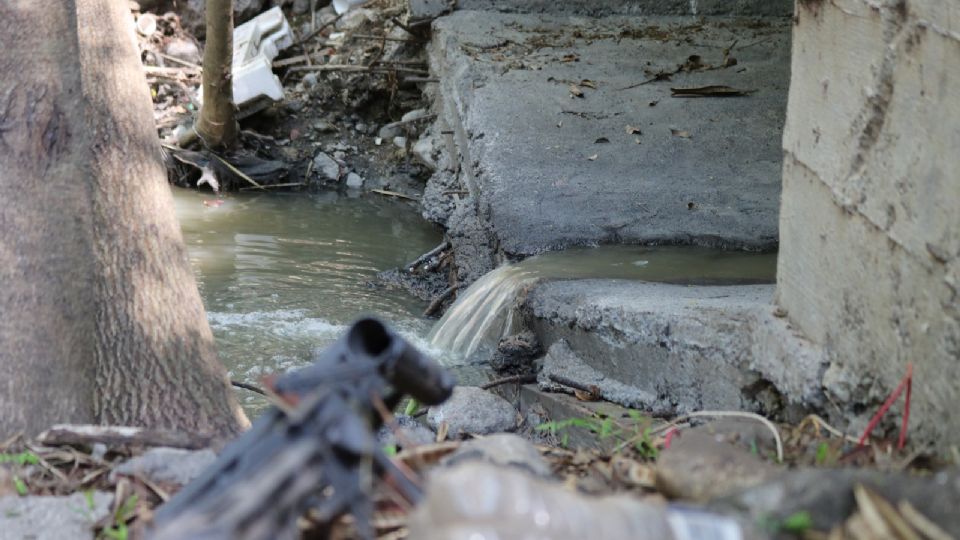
161, 71
438, 301
270, 186
384, 38
906, 382
389, 193
180, 61
250, 387
427, 256
821, 423
237, 171
591, 389
313, 34
522, 379
356, 68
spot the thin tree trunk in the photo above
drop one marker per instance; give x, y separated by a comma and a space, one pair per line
101, 318
217, 126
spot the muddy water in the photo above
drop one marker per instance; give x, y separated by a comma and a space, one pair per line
282, 274
484, 312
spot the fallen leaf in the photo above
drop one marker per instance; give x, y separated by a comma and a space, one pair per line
588, 83
593, 157
575, 91
710, 91
570, 58
680, 133
592, 395
601, 140
633, 130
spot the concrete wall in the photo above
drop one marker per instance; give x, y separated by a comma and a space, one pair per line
870, 220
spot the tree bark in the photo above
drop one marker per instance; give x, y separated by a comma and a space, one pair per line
101, 318
217, 126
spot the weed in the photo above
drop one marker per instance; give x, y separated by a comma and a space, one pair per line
605, 428
22, 458
119, 530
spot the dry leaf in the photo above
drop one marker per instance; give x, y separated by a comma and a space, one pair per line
593, 157
575, 91
570, 58
442, 431
588, 83
601, 140
633, 130
680, 133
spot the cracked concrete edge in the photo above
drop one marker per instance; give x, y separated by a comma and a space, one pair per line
636, 7
693, 347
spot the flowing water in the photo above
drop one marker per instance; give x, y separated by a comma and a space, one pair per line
484, 312
283, 274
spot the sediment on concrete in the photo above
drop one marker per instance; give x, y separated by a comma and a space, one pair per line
692, 348
565, 132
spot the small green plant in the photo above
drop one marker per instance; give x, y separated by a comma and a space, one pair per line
412, 407
20, 486
390, 450
605, 428
826, 456
797, 523
119, 530
22, 458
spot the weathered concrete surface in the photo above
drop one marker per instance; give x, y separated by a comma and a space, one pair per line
635, 7
691, 347
869, 262
52, 518
545, 169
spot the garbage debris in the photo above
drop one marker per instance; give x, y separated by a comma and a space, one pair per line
315, 449
255, 44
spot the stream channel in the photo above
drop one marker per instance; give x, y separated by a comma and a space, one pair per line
283, 274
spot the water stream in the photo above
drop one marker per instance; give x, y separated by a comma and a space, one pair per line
282, 274
484, 312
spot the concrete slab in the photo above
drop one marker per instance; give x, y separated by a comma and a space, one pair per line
624, 163
692, 347
635, 7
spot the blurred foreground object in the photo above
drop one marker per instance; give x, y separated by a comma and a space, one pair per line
317, 450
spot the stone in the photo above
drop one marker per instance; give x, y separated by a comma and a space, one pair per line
409, 433
562, 361
354, 180
699, 467
192, 14
355, 18
502, 450
389, 131
309, 80
168, 465
52, 518
782, 8
300, 7
327, 167
480, 500
414, 115
184, 49
427, 150
474, 411
324, 127
827, 495
515, 353
428, 9
400, 142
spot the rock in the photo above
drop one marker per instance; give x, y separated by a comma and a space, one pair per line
480, 500
427, 151
389, 131
515, 353
563, 361
699, 467
400, 142
415, 114
354, 181
473, 410
52, 518
309, 80
355, 18
504, 450
324, 127
294, 106
827, 495
192, 14
300, 7
360, 127
428, 9
327, 167
184, 49
409, 433
167, 465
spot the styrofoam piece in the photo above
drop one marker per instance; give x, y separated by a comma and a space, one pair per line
255, 44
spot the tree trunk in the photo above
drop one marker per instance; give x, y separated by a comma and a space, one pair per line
101, 318
217, 126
